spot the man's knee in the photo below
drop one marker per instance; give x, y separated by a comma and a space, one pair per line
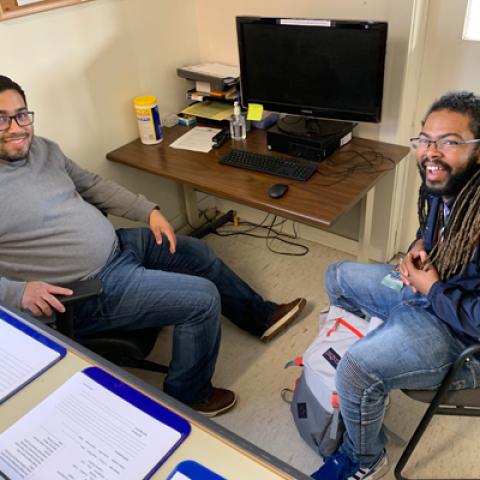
208, 302
332, 279
355, 376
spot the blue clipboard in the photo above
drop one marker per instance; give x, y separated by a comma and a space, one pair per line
194, 471
15, 321
146, 405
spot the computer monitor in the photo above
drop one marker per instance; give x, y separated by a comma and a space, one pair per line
314, 69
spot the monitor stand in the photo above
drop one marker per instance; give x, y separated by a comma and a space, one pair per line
308, 127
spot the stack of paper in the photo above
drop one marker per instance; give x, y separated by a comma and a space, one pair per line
198, 139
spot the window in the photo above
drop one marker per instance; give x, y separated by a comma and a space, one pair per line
471, 28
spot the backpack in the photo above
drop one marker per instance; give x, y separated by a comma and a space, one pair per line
315, 404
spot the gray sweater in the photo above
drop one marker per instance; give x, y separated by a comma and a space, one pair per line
51, 228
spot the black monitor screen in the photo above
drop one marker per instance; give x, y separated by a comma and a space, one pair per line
321, 68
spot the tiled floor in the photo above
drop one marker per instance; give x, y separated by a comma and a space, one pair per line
256, 370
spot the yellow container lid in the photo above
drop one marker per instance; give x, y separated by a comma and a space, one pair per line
145, 101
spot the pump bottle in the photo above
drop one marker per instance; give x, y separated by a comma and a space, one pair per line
238, 125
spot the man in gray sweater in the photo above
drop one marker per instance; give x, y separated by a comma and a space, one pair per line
53, 232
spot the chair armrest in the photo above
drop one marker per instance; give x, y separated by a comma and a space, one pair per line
82, 290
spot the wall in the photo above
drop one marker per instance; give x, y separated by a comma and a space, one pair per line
81, 66
217, 39
449, 63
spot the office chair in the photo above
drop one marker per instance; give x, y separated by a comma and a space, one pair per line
442, 402
124, 348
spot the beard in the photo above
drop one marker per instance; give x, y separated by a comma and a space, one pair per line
455, 181
11, 155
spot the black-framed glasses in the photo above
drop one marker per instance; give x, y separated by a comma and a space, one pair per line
23, 119
442, 144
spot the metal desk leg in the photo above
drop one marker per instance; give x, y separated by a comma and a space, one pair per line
366, 218
191, 208
201, 229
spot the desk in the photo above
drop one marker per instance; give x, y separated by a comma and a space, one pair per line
309, 202
208, 443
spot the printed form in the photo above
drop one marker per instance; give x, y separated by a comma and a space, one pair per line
83, 430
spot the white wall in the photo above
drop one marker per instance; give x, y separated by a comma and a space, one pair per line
449, 63
217, 40
81, 66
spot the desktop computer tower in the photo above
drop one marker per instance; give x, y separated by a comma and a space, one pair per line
315, 148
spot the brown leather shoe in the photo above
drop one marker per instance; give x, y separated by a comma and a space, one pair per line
283, 316
219, 402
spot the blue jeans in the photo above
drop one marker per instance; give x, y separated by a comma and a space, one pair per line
145, 286
413, 349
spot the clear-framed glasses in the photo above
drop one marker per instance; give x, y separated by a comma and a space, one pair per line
23, 119
443, 144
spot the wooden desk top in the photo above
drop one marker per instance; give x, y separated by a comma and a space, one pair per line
208, 443
319, 202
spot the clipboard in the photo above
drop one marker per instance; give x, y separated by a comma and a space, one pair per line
192, 470
59, 351
100, 425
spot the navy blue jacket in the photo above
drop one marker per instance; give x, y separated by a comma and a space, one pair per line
456, 300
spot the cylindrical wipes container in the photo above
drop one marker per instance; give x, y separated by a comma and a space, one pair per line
148, 119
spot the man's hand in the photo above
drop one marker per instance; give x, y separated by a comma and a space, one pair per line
38, 297
158, 225
418, 246
415, 254
418, 272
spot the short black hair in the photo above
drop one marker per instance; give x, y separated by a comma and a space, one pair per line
8, 84
462, 102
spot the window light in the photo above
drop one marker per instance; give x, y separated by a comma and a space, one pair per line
471, 28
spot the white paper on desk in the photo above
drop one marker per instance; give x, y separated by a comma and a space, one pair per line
198, 139
82, 430
21, 358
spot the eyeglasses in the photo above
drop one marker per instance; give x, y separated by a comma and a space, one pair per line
443, 144
23, 119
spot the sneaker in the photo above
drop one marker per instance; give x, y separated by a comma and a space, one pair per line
220, 401
339, 467
282, 317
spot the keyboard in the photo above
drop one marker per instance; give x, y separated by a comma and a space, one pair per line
292, 168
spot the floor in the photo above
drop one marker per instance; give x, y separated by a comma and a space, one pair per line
256, 371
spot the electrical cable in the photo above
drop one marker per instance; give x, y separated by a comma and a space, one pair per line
271, 235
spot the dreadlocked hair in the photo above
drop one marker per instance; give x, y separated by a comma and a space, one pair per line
462, 233
423, 208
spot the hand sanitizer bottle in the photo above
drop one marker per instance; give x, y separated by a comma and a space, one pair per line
238, 125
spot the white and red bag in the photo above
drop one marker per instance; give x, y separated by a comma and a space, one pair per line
315, 404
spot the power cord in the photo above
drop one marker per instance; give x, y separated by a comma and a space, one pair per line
342, 167
271, 236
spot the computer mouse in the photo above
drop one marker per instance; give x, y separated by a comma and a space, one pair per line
277, 190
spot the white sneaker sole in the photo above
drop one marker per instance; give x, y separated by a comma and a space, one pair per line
378, 471
278, 326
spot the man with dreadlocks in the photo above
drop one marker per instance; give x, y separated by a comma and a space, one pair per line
434, 312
